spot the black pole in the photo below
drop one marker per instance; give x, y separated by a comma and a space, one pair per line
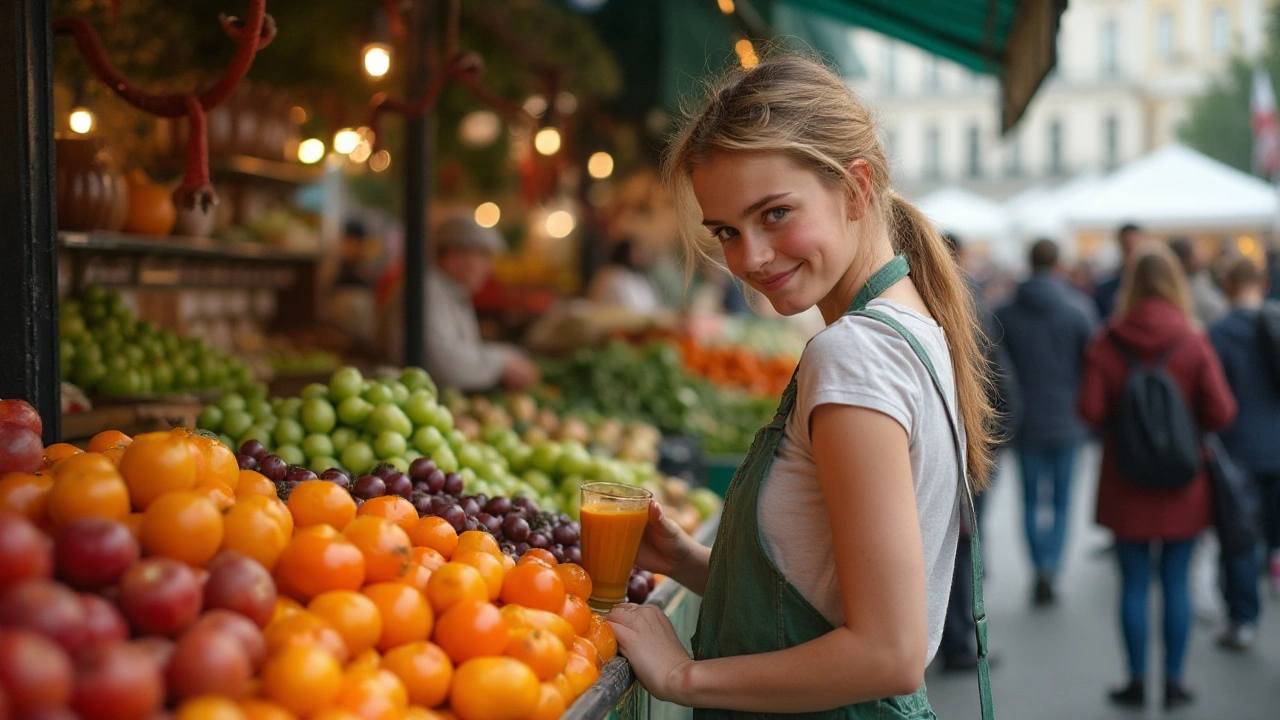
417, 185
28, 227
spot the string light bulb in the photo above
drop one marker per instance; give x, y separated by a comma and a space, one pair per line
311, 151
82, 120
600, 165
547, 141
560, 223
380, 161
345, 140
488, 214
377, 60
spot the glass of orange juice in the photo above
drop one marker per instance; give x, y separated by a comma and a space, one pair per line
614, 517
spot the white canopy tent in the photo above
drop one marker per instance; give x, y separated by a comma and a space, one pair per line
974, 219
1040, 211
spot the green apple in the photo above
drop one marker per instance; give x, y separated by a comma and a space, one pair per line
314, 391
545, 457
211, 418
537, 480
443, 419
291, 454
318, 415
261, 410
411, 455
341, 438
379, 394
445, 459
389, 444
322, 463
420, 407
388, 416
358, 457
230, 402
288, 432
398, 463
518, 457
427, 439
290, 408
346, 382
318, 445
456, 440
236, 422
470, 456
415, 378
354, 411
399, 393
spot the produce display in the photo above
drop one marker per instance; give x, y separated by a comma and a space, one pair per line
106, 350
650, 383
152, 576
356, 424
737, 367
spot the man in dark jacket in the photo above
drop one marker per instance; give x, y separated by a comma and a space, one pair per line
1104, 295
1251, 441
1046, 331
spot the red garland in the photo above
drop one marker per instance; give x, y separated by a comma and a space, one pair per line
257, 31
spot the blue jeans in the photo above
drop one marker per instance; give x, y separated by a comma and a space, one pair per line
1135, 577
1240, 575
1057, 463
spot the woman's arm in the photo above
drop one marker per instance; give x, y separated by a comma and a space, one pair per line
864, 468
667, 549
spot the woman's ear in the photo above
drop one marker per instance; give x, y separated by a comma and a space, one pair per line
860, 198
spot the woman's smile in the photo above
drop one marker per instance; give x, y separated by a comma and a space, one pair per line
775, 282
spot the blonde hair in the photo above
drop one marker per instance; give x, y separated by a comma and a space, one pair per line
798, 108
1155, 272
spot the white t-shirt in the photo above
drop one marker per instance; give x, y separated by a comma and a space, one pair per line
865, 363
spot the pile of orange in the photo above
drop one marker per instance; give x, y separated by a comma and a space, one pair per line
381, 615
737, 367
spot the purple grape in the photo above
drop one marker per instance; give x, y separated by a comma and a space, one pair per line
455, 517
369, 487
435, 481
384, 469
246, 462
507, 548
646, 576
494, 524
300, 474
637, 589
453, 484
422, 467
539, 540
421, 502
563, 519
439, 503
470, 506
398, 484
515, 528
254, 449
527, 505
471, 523
573, 554
565, 534
274, 468
522, 548
337, 477
498, 506
557, 551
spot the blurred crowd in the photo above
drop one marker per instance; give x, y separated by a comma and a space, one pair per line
1173, 363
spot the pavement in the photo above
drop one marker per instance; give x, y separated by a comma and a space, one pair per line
1058, 663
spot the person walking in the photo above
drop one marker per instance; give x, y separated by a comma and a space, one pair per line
1207, 300
1251, 441
1045, 332
1129, 237
1154, 328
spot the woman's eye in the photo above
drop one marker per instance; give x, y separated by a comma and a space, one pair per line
724, 234
775, 214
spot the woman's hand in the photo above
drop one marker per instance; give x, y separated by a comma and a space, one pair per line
647, 640
665, 547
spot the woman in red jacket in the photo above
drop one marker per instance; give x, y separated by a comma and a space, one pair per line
1154, 318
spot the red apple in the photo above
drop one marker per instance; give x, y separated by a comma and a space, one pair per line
160, 596
48, 608
103, 621
34, 672
117, 682
20, 412
159, 648
25, 552
240, 584
93, 552
20, 449
208, 662
239, 627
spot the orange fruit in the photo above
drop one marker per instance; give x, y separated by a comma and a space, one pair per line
221, 496
580, 672
587, 650
393, 508
540, 650
418, 577
522, 618
108, 439
96, 493
538, 555
435, 533
27, 495
285, 606
576, 580
576, 611
551, 704
184, 526
406, 616
83, 463
490, 569
453, 583
314, 562
561, 683
251, 482
384, 545
58, 452
601, 637
252, 527
427, 558
157, 463
255, 709
477, 541
335, 713
472, 629
208, 707
353, 615
373, 694
306, 627
535, 586
303, 678
320, 502
425, 670
494, 688
217, 464
508, 562
368, 660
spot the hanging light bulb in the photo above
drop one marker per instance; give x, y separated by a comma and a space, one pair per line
726, 6
380, 161
600, 165
560, 223
345, 140
362, 151
547, 141
82, 120
377, 59
311, 151
488, 214
536, 105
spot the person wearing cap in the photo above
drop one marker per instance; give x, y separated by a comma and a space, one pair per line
457, 356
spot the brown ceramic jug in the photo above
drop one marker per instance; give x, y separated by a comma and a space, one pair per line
92, 195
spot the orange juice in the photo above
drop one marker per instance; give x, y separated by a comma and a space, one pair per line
613, 521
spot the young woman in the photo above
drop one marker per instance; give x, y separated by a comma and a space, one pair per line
827, 586
1154, 321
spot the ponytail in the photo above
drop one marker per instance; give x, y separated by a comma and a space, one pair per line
936, 276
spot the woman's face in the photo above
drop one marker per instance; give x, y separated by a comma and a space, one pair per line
784, 232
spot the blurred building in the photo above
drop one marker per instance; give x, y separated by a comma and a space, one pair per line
1127, 72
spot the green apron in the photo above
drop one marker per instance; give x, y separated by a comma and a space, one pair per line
749, 607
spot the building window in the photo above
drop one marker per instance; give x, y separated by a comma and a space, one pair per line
975, 152
1220, 30
1111, 138
1055, 147
1111, 48
1014, 166
890, 67
932, 153
1164, 35
931, 80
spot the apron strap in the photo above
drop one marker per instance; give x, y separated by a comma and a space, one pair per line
975, 548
